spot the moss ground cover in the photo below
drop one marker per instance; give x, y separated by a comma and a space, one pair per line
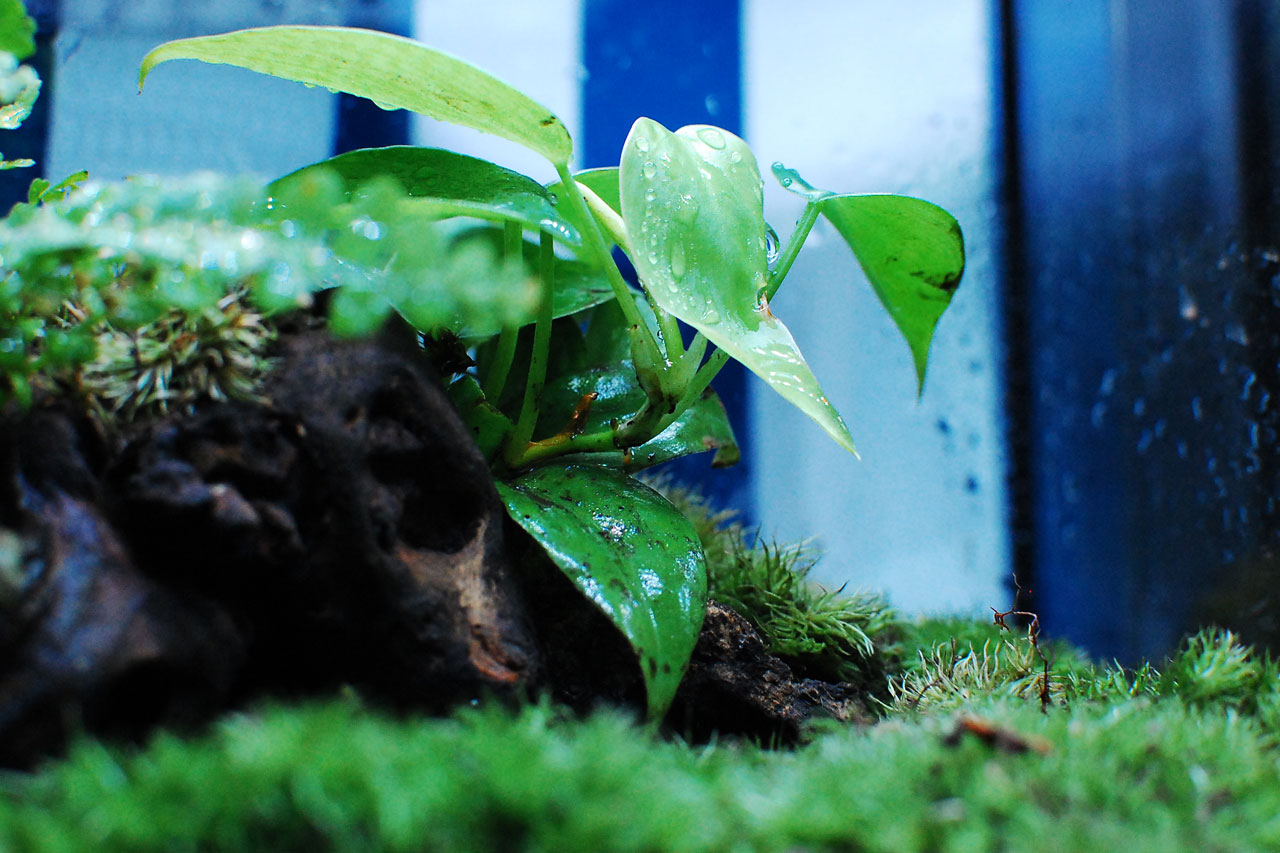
1180, 758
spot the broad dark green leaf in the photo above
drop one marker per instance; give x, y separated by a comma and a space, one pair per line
450, 183
703, 426
693, 207
392, 71
912, 253
577, 286
629, 551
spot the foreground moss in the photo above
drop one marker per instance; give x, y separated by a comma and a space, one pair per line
1188, 761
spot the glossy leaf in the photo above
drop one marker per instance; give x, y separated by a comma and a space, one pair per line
702, 427
577, 286
912, 253
392, 71
693, 208
458, 185
629, 551
603, 182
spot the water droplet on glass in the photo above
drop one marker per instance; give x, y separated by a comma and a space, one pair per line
677, 260
642, 144
649, 169
712, 137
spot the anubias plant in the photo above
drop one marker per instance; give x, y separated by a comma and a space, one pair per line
597, 377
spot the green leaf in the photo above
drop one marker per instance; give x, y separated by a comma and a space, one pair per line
703, 426
392, 71
694, 213
912, 253
629, 551
452, 183
603, 182
17, 30
488, 425
577, 285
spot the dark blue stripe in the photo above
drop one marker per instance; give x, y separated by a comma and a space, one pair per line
360, 123
678, 63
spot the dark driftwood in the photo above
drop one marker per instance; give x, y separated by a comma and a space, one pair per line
346, 534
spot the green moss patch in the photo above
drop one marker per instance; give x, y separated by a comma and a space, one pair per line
1184, 758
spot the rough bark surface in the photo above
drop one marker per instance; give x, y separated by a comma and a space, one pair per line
348, 533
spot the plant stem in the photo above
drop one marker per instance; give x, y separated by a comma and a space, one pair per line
529, 408
593, 243
803, 226
719, 358
495, 375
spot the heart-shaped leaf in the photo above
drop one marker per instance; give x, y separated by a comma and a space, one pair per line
912, 253
703, 426
629, 551
392, 71
458, 185
694, 211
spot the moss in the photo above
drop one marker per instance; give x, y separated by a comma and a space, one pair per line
827, 634
1159, 772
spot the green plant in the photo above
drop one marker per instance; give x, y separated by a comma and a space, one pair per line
589, 381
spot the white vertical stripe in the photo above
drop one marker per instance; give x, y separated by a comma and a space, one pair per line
535, 47
882, 97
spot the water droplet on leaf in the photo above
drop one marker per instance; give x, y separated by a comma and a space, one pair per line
649, 169
642, 144
712, 137
677, 260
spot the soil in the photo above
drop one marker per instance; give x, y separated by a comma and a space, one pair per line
346, 534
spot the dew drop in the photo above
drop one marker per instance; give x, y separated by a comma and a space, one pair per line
735, 157
687, 209
642, 144
712, 137
649, 169
711, 316
677, 260
772, 247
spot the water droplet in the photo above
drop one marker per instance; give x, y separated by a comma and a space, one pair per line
1197, 409
677, 260
772, 247
712, 137
642, 144
687, 209
735, 157
649, 169
711, 316
382, 105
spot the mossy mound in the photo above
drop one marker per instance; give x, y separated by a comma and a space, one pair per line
1180, 759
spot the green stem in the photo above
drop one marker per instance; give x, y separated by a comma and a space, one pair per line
803, 226
499, 368
528, 419
696, 388
593, 243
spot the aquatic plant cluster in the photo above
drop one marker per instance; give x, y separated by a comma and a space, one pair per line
155, 296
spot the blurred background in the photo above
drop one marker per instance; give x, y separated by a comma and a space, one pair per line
1098, 416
